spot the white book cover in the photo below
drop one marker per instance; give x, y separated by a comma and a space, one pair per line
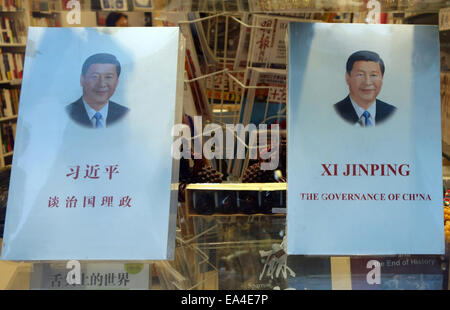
365, 152
92, 171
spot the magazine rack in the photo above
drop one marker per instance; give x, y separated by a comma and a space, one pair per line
233, 242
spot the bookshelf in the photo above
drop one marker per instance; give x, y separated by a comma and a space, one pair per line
14, 20
53, 13
45, 13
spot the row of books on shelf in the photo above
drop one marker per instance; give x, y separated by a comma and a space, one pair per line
45, 22
9, 100
49, 6
11, 5
12, 30
258, 6
11, 66
8, 132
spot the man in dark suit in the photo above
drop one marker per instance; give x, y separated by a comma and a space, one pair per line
364, 77
99, 79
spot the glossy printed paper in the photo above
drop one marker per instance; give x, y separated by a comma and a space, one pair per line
364, 183
82, 192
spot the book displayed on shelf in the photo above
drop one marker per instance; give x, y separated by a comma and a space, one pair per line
8, 131
370, 149
308, 272
11, 5
64, 4
12, 30
48, 6
9, 100
406, 272
11, 66
41, 6
107, 199
93, 276
44, 21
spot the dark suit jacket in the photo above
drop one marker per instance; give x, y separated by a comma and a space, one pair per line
78, 113
345, 110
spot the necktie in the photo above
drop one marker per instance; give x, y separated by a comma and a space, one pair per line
366, 115
97, 117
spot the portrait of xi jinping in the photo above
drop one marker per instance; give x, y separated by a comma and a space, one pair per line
99, 79
364, 76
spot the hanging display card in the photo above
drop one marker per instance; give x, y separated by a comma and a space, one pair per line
92, 169
365, 165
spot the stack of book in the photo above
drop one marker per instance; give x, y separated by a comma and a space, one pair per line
12, 30
8, 132
11, 5
9, 101
11, 66
45, 22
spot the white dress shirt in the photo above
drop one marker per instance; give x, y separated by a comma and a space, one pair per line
90, 112
372, 110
